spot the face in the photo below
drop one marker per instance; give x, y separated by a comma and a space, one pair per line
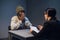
21, 16
45, 16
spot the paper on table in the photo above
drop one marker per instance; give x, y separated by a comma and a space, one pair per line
34, 29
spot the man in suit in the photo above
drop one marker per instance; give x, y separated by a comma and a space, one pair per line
51, 27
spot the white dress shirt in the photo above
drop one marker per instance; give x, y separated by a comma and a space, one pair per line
15, 22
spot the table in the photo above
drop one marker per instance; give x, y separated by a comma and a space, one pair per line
20, 34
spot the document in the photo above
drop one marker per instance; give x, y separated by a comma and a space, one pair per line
34, 29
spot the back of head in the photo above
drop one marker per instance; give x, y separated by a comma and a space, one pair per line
51, 12
54, 25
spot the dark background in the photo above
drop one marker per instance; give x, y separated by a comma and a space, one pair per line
34, 11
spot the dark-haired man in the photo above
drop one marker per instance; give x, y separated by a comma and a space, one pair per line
51, 27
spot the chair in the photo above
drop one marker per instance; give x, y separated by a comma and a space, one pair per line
9, 27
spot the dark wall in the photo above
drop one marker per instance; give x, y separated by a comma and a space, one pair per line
7, 10
36, 9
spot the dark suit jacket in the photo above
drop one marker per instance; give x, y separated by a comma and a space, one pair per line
50, 31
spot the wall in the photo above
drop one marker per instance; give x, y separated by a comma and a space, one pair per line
36, 9
7, 10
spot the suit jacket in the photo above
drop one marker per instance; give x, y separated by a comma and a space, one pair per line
50, 31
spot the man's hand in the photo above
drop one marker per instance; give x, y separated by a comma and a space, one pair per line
31, 30
40, 27
21, 17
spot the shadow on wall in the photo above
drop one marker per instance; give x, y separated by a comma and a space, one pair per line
7, 10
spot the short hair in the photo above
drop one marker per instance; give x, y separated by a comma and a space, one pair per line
51, 12
20, 9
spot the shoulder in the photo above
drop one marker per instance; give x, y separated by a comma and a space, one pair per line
26, 18
55, 22
52, 23
14, 17
49, 23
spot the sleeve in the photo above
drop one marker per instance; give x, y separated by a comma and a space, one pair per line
15, 23
34, 33
27, 22
43, 32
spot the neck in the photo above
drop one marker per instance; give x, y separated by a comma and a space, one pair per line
49, 18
